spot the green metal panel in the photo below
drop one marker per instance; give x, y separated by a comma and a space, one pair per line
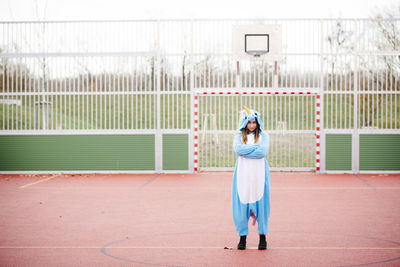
77, 152
379, 152
338, 152
175, 151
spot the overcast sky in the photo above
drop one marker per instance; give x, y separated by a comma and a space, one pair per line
12, 10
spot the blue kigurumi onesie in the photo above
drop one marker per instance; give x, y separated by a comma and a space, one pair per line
251, 183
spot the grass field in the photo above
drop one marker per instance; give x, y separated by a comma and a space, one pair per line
285, 150
98, 112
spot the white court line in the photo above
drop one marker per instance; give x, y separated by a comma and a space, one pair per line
43, 180
197, 247
337, 188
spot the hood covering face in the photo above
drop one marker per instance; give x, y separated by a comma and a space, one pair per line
248, 115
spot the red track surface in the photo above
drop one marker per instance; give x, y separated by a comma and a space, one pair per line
185, 220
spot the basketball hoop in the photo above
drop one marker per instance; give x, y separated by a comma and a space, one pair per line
259, 43
256, 53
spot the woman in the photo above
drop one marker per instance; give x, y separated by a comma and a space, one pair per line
251, 183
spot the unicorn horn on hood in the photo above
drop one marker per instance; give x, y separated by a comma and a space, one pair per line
247, 110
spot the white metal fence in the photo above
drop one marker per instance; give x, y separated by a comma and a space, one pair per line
141, 76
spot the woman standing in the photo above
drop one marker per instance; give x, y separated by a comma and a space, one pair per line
251, 183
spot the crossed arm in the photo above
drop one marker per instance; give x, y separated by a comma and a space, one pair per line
255, 151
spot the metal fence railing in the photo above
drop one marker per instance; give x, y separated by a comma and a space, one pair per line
140, 77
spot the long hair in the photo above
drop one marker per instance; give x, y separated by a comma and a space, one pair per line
246, 131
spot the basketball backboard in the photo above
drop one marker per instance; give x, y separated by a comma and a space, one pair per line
257, 41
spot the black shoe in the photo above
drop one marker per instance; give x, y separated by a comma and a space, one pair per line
263, 243
242, 243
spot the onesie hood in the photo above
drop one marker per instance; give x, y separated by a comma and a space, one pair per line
247, 115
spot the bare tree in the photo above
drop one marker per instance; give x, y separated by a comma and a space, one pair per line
388, 28
339, 40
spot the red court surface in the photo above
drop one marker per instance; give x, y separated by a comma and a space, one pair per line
185, 220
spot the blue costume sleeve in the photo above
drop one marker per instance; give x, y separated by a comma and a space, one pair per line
262, 149
241, 149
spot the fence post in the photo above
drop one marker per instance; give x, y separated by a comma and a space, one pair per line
355, 136
158, 136
322, 148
